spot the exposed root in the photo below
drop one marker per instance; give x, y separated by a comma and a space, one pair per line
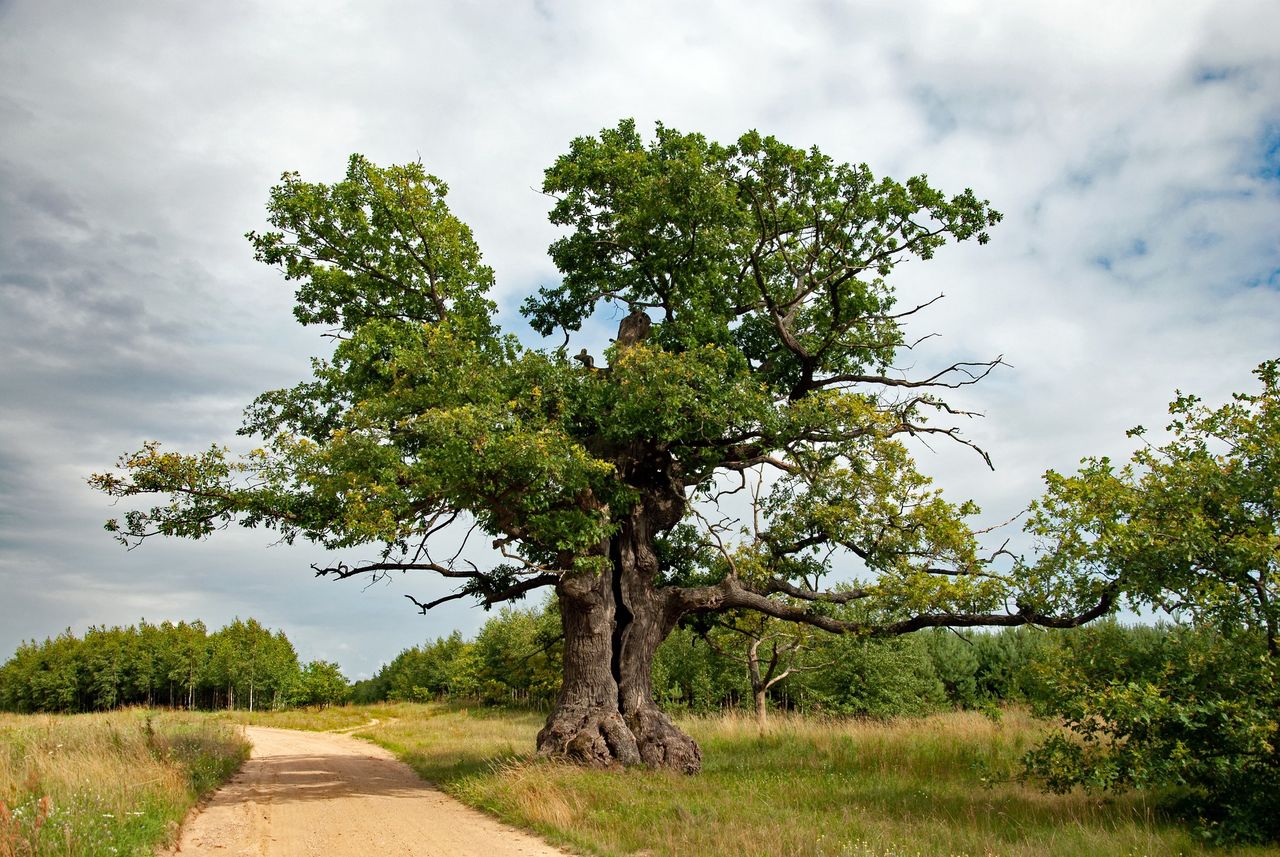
597, 738
661, 744
601, 738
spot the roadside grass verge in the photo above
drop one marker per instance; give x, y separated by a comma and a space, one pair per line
942, 785
106, 784
327, 719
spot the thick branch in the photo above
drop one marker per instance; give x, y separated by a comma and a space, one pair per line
731, 593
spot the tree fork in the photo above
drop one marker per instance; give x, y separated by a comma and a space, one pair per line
613, 623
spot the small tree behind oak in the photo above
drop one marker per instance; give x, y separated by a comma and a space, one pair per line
770, 649
1191, 528
759, 334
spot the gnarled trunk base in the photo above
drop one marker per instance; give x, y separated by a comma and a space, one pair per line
601, 737
662, 744
595, 737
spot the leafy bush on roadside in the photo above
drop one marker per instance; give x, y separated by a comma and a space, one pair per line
1189, 711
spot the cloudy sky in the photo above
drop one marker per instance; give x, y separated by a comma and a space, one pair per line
1134, 149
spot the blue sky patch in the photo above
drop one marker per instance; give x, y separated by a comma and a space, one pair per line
1109, 261
1216, 73
1268, 281
1269, 152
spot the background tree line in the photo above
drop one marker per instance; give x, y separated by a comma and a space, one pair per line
515, 659
1187, 708
242, 665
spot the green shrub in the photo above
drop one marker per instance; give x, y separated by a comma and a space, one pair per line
1192, 712
874, 678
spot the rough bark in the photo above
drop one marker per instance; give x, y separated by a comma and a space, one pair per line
586, 726
649, 618
759, 683
762, 708
613, 622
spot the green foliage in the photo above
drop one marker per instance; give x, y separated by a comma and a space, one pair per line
518, 656
443, 668
687, 673
1191, 527
515, 658
381, 244
711, 234
1191, 711
178, 665
763, 270
873, 678
320, 683
956, 664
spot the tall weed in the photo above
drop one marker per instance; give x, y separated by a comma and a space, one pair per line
106, 784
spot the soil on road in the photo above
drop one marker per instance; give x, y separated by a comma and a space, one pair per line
324, 795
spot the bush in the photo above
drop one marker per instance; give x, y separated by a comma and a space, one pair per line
1192, 711
874, 678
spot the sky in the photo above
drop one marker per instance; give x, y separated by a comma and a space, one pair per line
1133, 148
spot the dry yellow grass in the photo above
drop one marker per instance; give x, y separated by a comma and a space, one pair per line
106, 784
941, 785
330, 718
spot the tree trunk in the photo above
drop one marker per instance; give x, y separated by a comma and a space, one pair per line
759, 683
613, 623
586, 725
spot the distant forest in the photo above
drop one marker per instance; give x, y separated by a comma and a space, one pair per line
763, 665
242, 665
515, 660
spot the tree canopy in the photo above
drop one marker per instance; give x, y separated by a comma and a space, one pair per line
1189, 527
756, 359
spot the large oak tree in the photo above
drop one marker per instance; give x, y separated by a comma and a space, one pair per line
757, 346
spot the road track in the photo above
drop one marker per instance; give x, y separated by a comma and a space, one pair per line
318, 794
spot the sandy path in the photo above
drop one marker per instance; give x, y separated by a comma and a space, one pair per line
327, 795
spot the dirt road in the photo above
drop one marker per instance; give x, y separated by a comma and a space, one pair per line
324, 795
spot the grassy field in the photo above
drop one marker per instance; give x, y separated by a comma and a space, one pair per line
330, 719
106, 784
944, 785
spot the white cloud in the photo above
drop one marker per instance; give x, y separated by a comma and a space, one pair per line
1126, 144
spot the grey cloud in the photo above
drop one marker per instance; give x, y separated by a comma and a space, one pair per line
139, 141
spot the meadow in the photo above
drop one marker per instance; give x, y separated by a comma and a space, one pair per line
119, 783
946, 784
940, 785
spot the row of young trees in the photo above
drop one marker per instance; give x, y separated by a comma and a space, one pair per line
242, 665
516, 658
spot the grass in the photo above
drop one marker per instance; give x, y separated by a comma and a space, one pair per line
943, 785
332, 718
106, 784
